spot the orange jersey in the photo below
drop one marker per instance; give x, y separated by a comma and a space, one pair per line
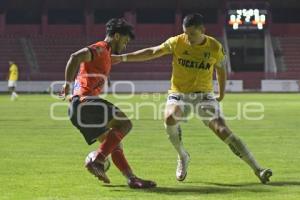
92, 75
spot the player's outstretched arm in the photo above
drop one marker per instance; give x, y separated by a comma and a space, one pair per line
83, 55
221, 77
141, 55
8, 74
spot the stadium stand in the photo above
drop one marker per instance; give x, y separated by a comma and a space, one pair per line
290, 48
52, 41
53, 52
11, 49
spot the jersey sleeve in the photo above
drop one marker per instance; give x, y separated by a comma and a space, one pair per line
12, 69
96, 50
220, 56
170, 44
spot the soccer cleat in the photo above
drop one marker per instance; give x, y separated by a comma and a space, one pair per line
182, 166
264, 175
138, 183
96, 167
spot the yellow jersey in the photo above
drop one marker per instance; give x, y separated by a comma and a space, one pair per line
13, 72
193, 65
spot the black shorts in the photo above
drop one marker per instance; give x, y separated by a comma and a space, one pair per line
91, 116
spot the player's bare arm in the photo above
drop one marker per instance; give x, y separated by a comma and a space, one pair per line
141, 55
221, 77
8, 74
83, 55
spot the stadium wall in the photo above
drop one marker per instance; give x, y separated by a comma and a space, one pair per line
155, 86
116, 86
280, 86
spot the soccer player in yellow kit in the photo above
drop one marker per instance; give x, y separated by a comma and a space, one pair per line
12, 79
195, 57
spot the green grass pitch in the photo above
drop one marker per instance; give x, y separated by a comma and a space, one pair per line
42, 158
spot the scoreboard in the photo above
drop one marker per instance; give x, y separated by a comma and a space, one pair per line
247, 19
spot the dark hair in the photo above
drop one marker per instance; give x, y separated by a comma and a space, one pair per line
119, 25
194, 19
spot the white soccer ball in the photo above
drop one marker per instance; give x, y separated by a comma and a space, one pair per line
92, 155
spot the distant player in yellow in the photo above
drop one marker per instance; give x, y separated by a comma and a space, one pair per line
195, 57
13, 76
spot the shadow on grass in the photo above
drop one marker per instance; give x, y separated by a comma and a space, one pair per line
285, 183
272, 183
189, 189
237, 185
114, 186
210, 188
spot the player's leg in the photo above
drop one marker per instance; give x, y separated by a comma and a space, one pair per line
119, 159
122, 164
172, 126
92, 117
239, 148
13, 94
209, 110
219, 127
117, 127
12, 89
173, 113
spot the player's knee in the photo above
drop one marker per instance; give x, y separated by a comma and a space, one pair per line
123, 125
170, 120
222, 131
220, 128
127, 126
119, 148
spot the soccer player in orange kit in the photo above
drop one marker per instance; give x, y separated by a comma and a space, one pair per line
96, 118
